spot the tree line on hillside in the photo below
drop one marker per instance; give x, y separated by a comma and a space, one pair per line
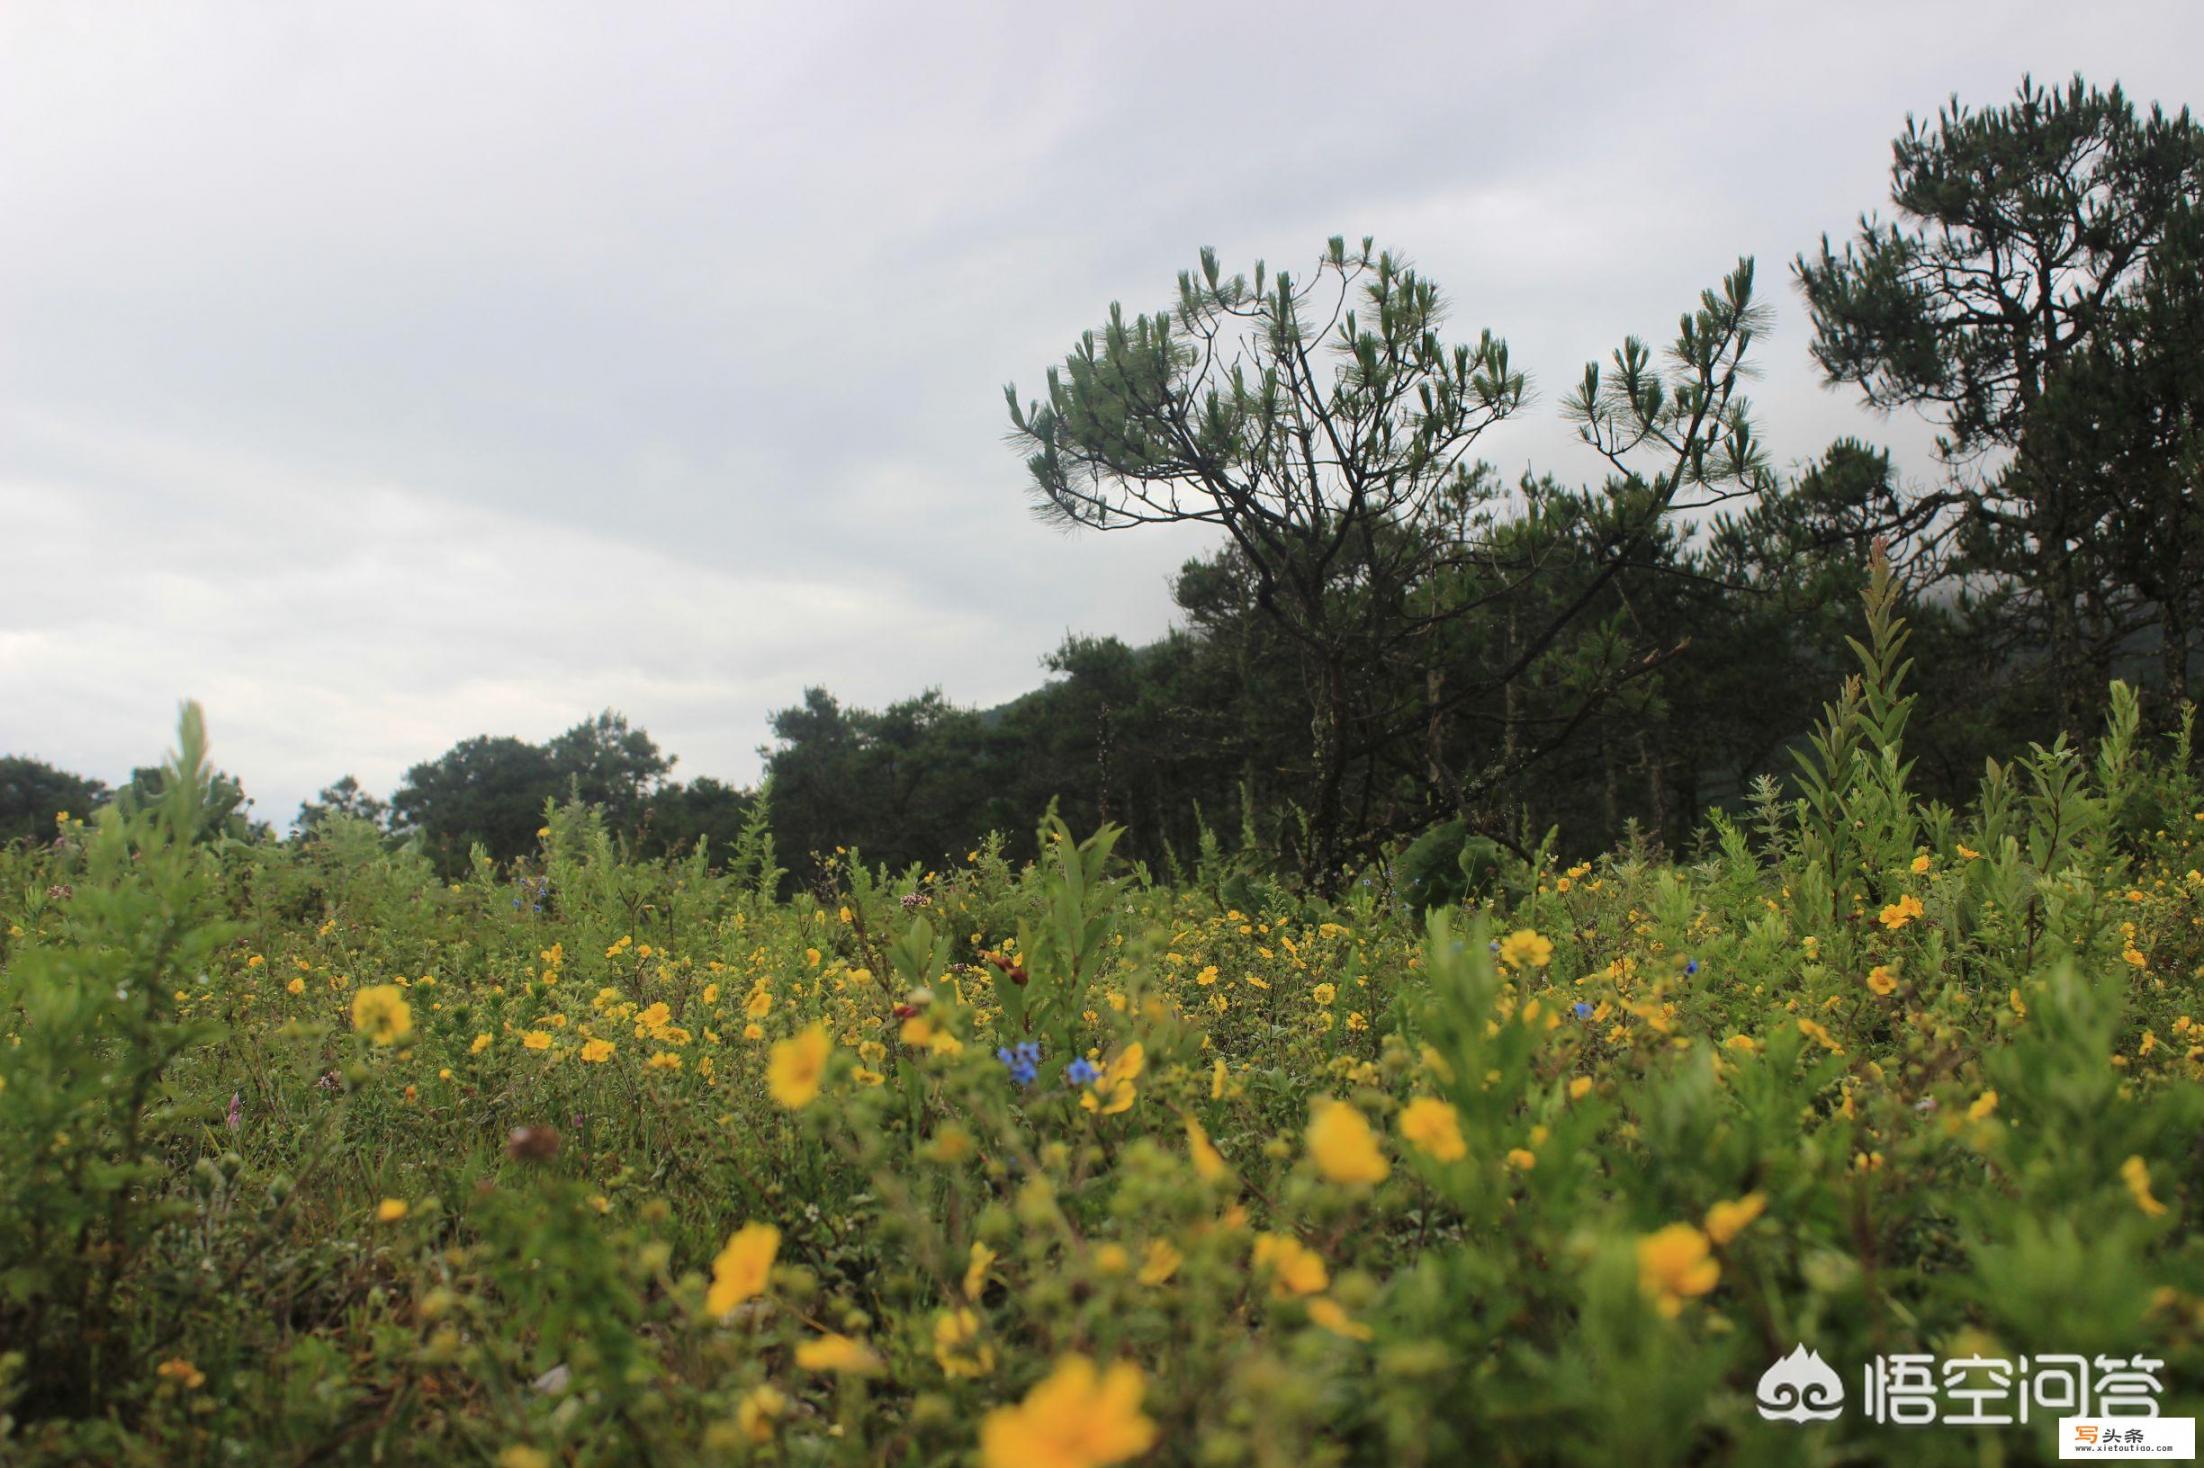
1391, 639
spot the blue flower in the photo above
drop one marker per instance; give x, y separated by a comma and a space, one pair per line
1080, 1072
1691, 965
1023, 1062
1583, 1010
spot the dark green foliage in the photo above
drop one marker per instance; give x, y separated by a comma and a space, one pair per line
491, 792
1325, 427
2122, 424
347, 799
224, 813
487, 792
2036, 297
1431, 872
33, 793
703, 812
604, 762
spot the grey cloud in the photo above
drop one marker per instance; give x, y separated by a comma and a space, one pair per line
388, 374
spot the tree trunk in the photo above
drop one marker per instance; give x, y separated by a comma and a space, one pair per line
1611, 789
1320, 858
2173, 649
2062, 598
1655, 787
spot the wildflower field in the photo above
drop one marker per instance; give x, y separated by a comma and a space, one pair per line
311, 1156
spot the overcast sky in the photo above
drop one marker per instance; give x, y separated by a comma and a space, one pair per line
384, 374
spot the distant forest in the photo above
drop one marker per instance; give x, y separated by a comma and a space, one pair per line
1393, 640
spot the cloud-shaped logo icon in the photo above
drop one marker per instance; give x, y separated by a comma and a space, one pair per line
1801, 1388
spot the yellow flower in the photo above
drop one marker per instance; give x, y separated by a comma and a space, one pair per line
1112, 1091
1725, 1221
1966, 851
1295, 1269
1901, 912
1434, 1126
390, 1210
1580, 1088
536, 1040
1078, 1418
1983, 1105
1673, 1265
1920, 863
1881, 981
797, 1067
296, 986
1343, 1146
955, 1351
2135, 1172
1209, 1163
1332, 1316
758, 1413
177, 1369
664, 1060
1159, 1263
837, 1353
759, 1004
975, 1269
1526, 946
520, 1455
1522, 1158
481, 1043
381, 1013
1323, 994
1817, 1032
739, 1271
